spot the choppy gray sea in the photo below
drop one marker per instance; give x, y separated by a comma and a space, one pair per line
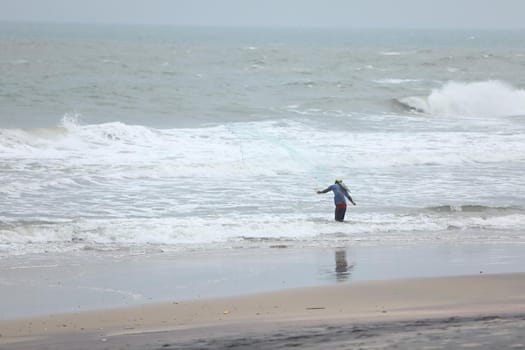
143, 137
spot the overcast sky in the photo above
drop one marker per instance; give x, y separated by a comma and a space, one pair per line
295, 13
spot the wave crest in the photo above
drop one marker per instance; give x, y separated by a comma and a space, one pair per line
71, 136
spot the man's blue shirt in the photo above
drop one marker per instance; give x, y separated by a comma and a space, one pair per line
339, 193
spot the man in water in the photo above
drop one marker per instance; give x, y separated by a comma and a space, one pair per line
340, 194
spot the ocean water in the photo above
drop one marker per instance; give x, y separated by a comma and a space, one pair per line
144, 138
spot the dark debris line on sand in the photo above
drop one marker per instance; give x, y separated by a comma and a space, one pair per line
491, 332
488, 332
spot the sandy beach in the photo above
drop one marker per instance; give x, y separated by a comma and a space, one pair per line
414, 313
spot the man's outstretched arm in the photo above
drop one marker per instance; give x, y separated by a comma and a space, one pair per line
349, 198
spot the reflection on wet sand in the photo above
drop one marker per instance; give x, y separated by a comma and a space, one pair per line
343, 271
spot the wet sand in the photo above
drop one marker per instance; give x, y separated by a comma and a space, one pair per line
83, 281
477, 311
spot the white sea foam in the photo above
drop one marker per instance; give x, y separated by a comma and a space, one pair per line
236, 151
246, 230
112, 185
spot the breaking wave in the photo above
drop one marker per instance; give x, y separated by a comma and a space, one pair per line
478, 99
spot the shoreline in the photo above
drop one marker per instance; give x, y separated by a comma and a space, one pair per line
463, 298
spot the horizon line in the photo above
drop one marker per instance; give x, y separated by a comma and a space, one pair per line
253, 26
